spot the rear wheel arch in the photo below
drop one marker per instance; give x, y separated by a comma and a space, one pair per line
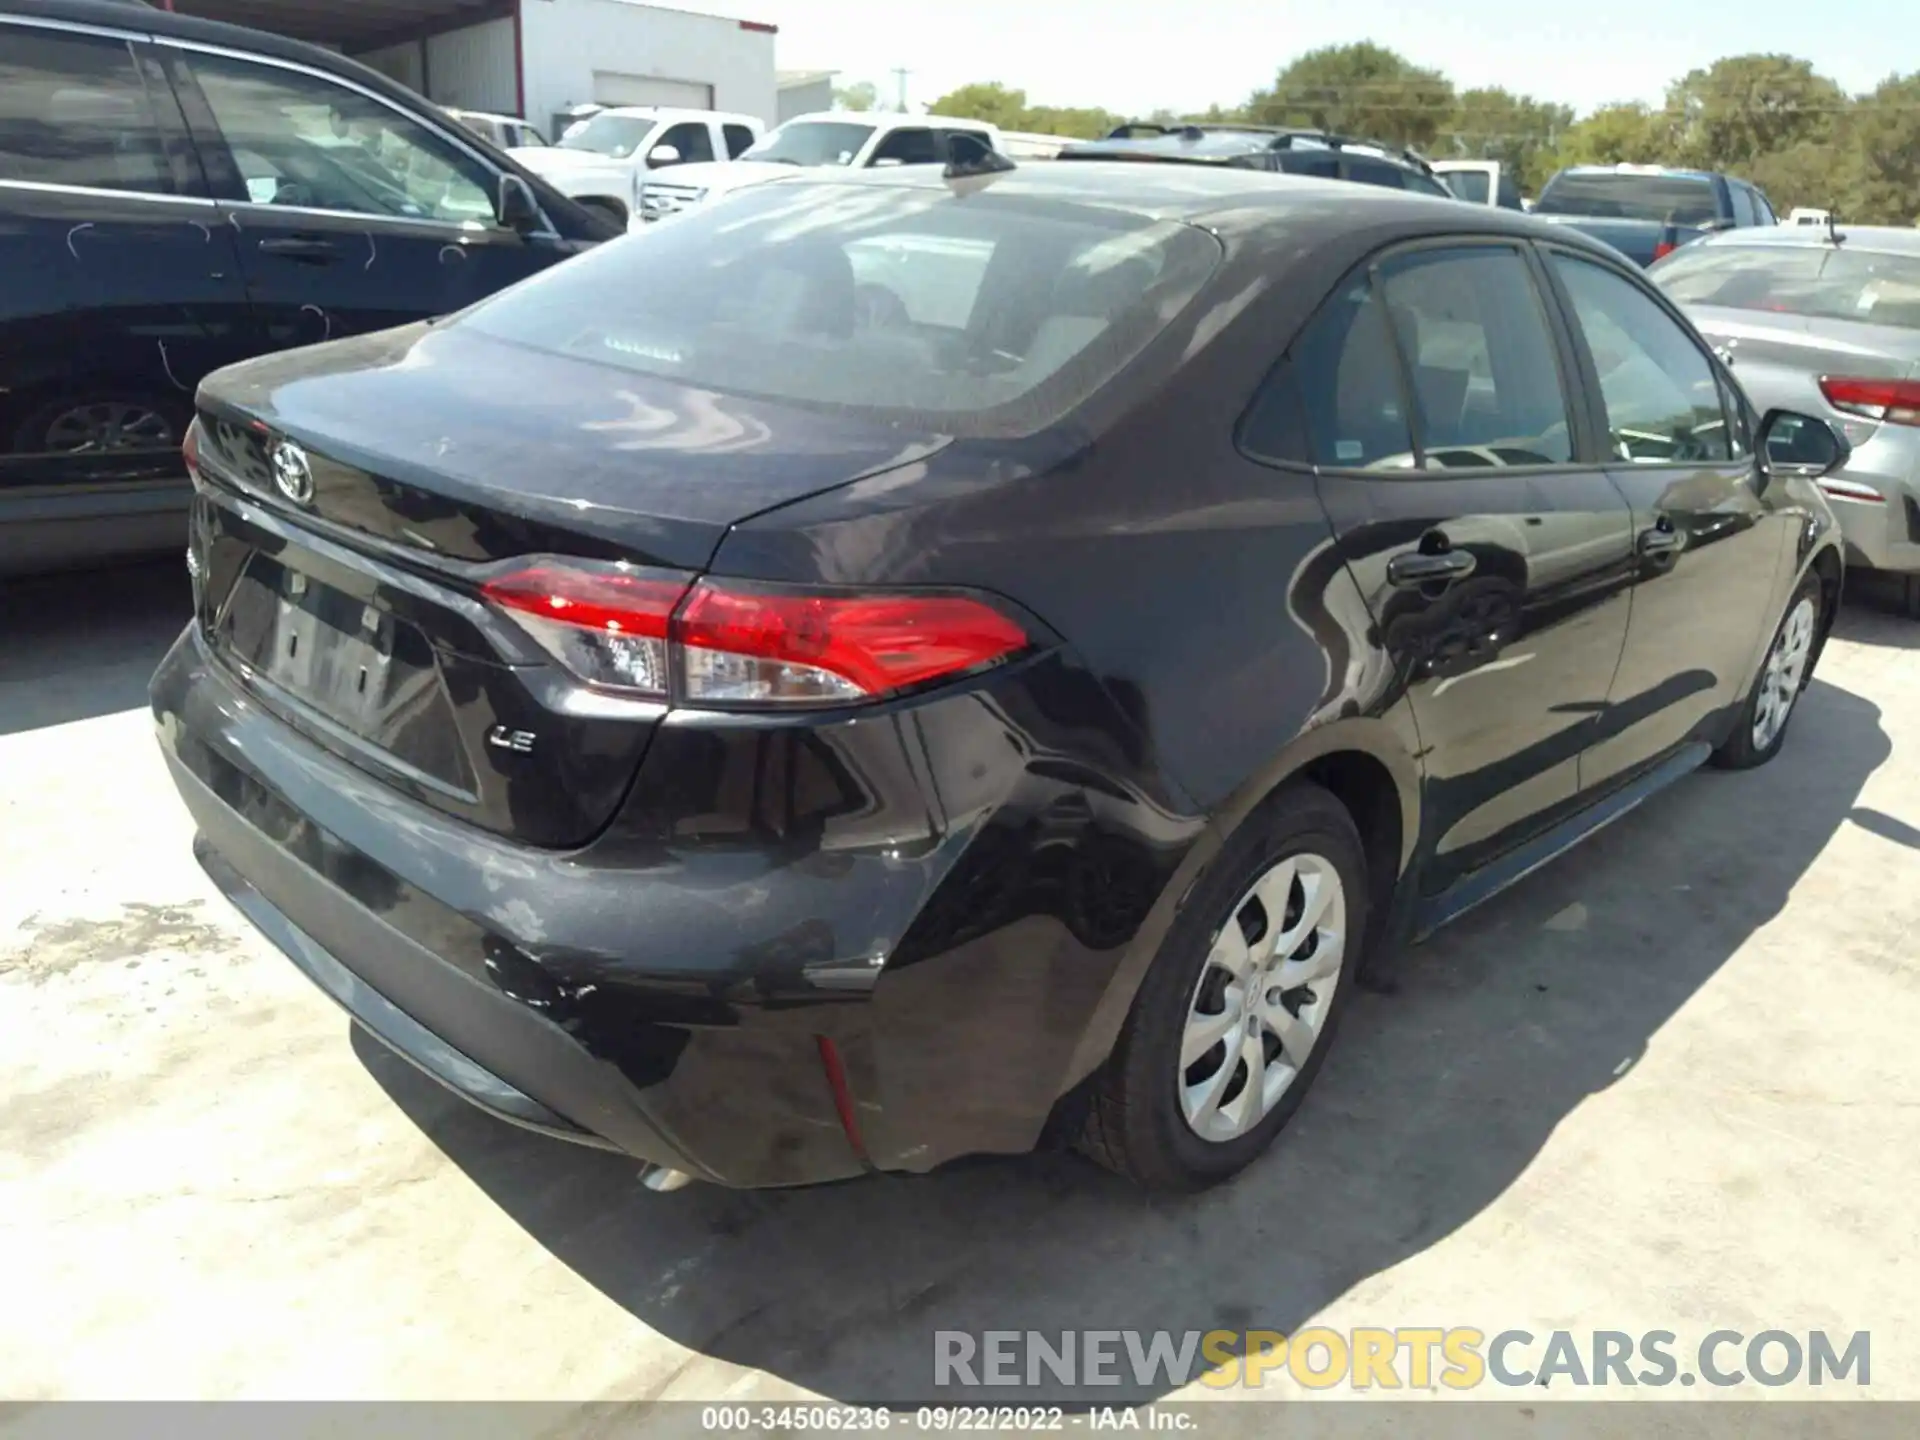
1363, 764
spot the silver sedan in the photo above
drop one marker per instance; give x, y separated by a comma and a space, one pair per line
1827, 322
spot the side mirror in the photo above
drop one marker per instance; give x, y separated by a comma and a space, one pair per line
515, 207
1802, 445
663, 155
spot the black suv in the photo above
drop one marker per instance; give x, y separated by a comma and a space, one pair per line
1317, 153
176, 195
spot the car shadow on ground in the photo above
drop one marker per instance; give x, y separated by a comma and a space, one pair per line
80, 645
1433, 1103
1870, 615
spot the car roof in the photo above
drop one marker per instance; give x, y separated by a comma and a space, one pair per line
1673, 172
1881, 239
1205, 194
1219, 145
887, 120
650, 112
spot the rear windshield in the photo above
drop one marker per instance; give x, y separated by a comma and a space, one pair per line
1818, 281
1473, 185
975, 314
1683, 199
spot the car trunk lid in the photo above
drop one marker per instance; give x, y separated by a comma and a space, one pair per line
416, 464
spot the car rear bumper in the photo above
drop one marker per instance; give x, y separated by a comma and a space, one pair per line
955, 928
1883, 533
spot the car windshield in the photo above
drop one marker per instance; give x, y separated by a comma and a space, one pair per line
1821, 282
1612, 195
1473, 185
976, 314
817, 142
617, 136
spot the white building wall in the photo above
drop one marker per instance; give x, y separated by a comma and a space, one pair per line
473, 68
563, 42
808, 99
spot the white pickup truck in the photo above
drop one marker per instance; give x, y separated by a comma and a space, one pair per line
603, 162
831, 138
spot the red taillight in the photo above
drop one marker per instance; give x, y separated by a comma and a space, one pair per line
759, 646
190, 448
720, 643
605, 623
1663, 248
1895, 401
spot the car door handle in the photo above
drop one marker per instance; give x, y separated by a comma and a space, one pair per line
1661, 539
298, 247
1418, 567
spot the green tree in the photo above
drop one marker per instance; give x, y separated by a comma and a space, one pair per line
1362, 90
1741, 107
861, 95
1882, 135
1815, 173
1517, 130
1613, 134
989, 101
1081, 123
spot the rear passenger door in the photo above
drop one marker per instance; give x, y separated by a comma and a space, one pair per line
1707, 551
1434, 387
118, 286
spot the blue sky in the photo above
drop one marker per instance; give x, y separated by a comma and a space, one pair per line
1135, 55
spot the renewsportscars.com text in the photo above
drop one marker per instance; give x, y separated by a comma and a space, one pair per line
1411, 1358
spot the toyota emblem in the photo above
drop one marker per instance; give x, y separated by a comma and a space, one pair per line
292, 476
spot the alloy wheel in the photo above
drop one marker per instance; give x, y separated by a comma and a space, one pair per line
1785, 672
1263, 997
109, 425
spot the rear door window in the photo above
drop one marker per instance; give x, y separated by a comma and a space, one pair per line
1481, 360
1743, 213
739, 139
1348, 392
74, 110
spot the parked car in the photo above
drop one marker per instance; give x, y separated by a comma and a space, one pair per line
1828, 323
505, 132
829, 140
176, 195
1480, 182
604, 162
1648, 211
1316, 153
1802, 215
686, 716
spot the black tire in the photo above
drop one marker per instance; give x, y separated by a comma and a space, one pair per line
1906, 595
1741, 750
1134, 1124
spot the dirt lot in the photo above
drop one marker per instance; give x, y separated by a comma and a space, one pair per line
1670, 1082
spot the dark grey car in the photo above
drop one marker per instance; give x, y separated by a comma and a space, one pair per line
1827, 323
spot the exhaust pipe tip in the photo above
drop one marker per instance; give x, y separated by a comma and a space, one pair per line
662, 1180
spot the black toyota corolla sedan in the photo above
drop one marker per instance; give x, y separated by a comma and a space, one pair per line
908, 665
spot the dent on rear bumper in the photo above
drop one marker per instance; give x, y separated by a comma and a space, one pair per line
945, 891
